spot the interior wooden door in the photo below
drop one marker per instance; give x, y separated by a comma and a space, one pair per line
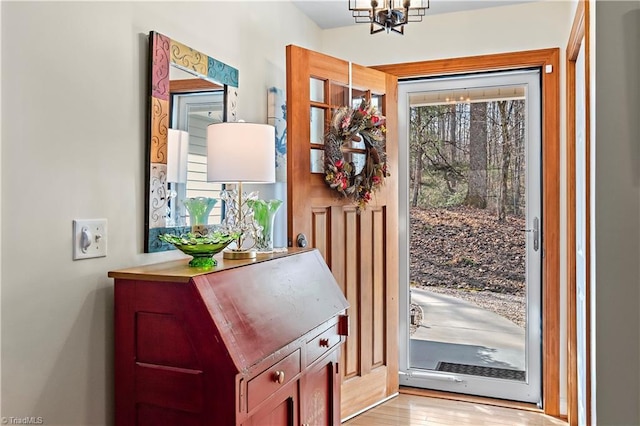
361, 248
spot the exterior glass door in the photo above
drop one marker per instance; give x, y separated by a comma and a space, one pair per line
470, 165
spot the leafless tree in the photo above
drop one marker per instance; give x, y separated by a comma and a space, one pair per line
477, 190
505, 108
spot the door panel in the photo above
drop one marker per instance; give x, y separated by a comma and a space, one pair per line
359, 247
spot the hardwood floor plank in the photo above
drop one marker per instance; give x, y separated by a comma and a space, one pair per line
412, 410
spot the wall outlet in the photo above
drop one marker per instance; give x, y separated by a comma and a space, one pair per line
89, 238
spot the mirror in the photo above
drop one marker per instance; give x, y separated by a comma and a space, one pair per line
187, 91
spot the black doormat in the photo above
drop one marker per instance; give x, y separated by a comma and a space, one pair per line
476, 370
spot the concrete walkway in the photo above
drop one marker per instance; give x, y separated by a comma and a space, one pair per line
457, 331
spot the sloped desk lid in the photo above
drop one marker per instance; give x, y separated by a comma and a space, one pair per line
262, 308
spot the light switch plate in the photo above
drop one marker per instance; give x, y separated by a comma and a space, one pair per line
89, 238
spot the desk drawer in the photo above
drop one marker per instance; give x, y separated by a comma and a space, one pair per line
272, 379
322, 343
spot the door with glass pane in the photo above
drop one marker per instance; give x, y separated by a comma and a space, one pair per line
359, 247
470, 164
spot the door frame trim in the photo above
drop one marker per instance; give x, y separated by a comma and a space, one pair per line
550, 85
579, 36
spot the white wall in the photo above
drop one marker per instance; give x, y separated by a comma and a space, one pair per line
617, 211
73, 136
527, 26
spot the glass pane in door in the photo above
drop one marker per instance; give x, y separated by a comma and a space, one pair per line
474, 236
316, 126
316, 90
466, 246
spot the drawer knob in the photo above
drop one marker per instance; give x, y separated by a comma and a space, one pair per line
324, 343
278, 376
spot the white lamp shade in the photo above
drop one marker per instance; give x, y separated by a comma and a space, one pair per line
177, 152
241, 152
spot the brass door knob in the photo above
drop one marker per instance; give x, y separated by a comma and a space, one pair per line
278, 377
324, 343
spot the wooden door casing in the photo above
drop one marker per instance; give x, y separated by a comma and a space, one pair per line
549, 61
579, 38
361, 248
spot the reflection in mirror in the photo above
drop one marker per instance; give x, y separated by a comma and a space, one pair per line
193, 112
188, 90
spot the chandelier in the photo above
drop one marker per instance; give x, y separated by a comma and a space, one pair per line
388, 15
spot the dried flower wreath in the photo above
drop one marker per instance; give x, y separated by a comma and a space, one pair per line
361, 124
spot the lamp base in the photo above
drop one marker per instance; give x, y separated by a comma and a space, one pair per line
239, 254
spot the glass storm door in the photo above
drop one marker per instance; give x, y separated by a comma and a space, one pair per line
470, 197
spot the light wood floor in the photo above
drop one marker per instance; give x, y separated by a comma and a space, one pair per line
411, 410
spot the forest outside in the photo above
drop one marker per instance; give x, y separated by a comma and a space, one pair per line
467, 202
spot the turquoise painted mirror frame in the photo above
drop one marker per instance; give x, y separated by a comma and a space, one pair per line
165, 53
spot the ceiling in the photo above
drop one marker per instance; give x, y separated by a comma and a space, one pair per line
335, 13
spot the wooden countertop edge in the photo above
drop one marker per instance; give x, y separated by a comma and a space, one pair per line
180, 271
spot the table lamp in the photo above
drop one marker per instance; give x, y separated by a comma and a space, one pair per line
240, 153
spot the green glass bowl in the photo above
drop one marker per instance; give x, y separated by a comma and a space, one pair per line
201, 248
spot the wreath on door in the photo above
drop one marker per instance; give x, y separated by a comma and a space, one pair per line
360, 124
